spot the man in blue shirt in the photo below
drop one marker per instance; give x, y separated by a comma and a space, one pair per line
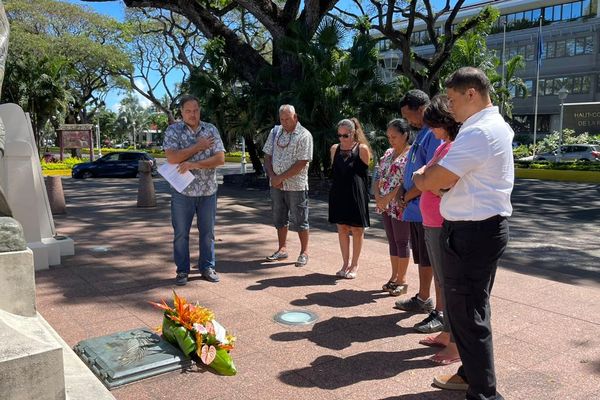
196, 147
412, 106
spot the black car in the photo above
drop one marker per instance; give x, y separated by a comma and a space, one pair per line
113, 165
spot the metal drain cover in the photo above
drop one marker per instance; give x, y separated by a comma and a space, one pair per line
296, 317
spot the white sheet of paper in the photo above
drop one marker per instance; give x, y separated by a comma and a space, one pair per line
175, 179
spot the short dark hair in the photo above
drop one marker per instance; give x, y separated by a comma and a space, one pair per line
469, 77
401, 126
414, 99
438, 115
186, 99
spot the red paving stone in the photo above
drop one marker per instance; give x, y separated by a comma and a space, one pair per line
546, 340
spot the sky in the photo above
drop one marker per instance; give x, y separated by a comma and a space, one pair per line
116, 9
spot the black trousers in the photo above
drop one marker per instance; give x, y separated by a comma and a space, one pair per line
470, 259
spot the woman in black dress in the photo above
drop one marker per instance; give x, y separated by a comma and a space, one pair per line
349, 194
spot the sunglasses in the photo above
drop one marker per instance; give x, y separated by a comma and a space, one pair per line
344, 135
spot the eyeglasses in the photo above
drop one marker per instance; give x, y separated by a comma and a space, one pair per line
344, 135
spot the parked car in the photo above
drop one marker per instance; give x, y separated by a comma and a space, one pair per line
570, 152
123, 164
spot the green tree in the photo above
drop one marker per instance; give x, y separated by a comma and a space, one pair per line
334, 84
423, 70
37, 83
471, 50
276, 17
111, 129
133, 118
89, 43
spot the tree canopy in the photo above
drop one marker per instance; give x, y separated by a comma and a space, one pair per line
62, 59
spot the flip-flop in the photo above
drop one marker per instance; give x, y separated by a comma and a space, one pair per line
442, 360
431, 342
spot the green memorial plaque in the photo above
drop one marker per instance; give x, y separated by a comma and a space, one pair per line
129, 356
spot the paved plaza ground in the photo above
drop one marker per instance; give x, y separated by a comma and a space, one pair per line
545, 303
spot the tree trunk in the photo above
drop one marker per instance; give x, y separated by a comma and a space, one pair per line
253, 152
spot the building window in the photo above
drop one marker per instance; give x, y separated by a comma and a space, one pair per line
524, 123
574, 84
526, 51
529, 85
384, 45
567, 11
560, 48
570, 47
520, 91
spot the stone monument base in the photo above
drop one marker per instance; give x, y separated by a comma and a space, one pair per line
48, 251
17, 283
35, 363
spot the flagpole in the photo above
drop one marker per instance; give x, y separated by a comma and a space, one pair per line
503, 84
537, 87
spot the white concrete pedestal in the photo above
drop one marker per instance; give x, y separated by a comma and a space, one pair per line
17, 283
29, 369
21, 178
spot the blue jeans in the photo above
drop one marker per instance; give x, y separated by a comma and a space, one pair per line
183, 209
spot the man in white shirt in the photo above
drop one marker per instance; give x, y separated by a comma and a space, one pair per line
479, 171
288, 152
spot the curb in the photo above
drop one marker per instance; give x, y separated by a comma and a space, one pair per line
558, 175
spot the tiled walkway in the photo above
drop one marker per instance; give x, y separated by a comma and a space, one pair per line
547, 339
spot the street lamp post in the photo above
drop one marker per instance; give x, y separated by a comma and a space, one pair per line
390, 63
243, 166
98, 139
133, 125
562, 95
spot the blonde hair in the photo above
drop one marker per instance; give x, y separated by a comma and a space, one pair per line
354, 126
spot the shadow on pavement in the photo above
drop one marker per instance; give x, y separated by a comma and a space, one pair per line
436, 394
331, 372
356, 330
313, 279
348, 297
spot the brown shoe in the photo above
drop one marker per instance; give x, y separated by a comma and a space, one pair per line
450, 382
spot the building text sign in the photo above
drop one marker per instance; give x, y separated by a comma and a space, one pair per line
582, 117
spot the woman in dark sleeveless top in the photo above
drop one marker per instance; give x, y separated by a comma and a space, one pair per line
349, 194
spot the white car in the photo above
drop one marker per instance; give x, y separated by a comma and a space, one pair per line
569, 152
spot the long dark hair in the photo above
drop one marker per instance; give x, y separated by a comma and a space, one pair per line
438, 115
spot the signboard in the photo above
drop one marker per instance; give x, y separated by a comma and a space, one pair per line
76, 136
582, 117
75, 139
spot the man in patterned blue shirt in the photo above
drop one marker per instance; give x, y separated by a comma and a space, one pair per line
197, 147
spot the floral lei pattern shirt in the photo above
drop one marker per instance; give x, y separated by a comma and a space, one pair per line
180, 136
390, 172
285, 148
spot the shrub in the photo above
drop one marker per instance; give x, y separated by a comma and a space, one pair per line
67, 163
550, 143
574, 166
521, 151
